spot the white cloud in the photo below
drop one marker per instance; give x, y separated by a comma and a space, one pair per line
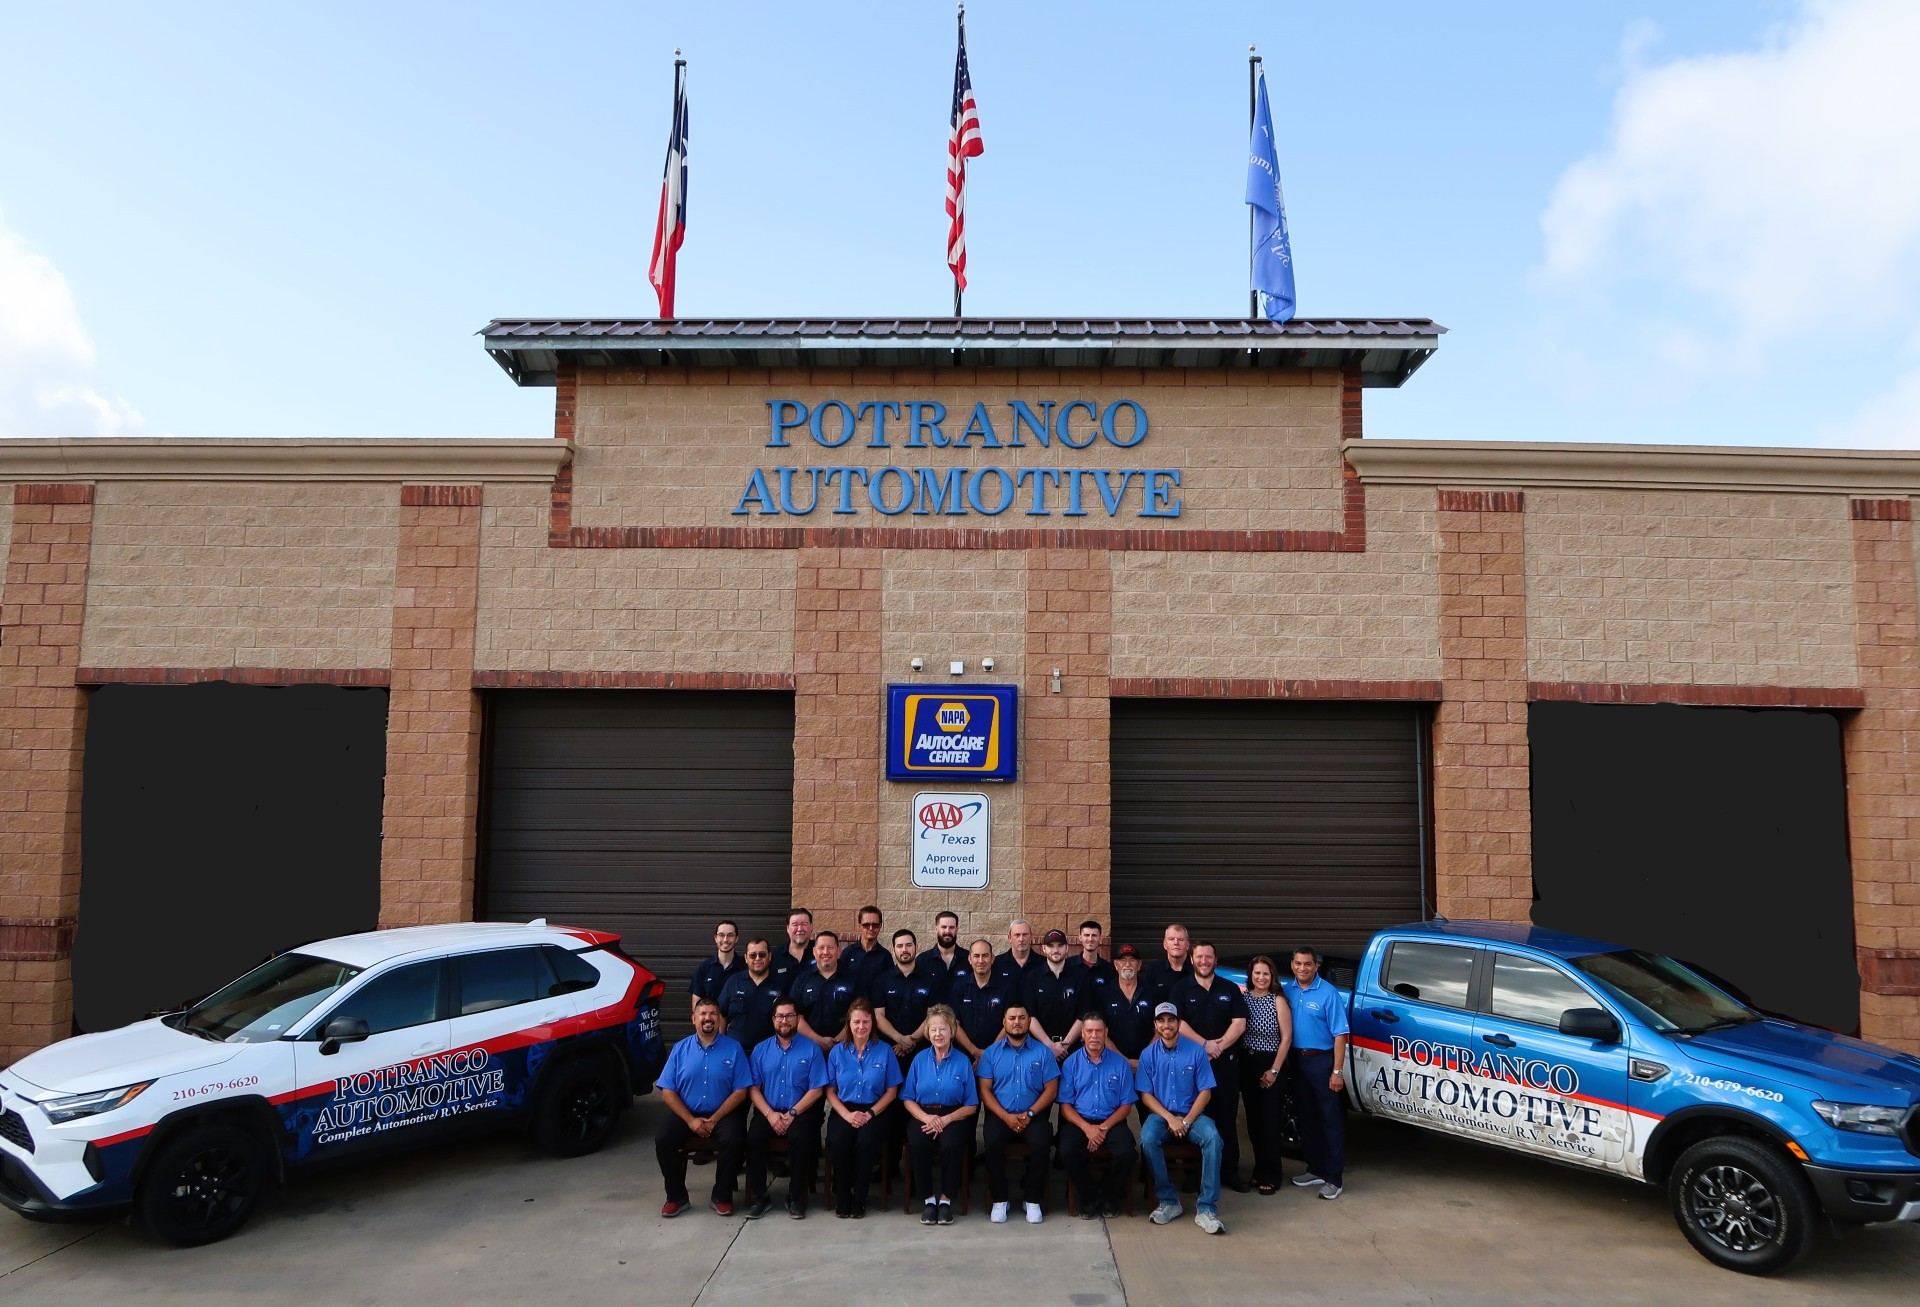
1891, 421
47, 385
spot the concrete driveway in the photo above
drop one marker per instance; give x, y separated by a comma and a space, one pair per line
1424, 1220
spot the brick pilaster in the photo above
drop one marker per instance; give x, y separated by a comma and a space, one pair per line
1882, 745
837, 729
1482, 806
43, 721
430, 821
1067, 738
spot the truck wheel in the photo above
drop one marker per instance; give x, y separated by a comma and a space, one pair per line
578, 1109
1742, 1205
202, 1184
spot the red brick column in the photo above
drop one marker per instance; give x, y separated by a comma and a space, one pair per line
43, 724
1482, 806
430, 823
1066, 746
1883, 773
837, 730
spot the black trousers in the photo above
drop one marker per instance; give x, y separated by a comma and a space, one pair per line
1079, 1160
1322, 1114
1265, 1105
729, 1140
803, 1153
950, 1148
854, 1152
995, 1136
1223, 1109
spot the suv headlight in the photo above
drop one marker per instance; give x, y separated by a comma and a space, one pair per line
1863, 1118
74, 1106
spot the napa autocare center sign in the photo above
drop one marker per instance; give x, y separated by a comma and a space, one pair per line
950, 839
957, 464
952, 733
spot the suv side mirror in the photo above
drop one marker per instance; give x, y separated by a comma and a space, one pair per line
1590, 1023
341, 1030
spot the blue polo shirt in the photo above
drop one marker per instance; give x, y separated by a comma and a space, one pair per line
705, 1077
787, 1075
943, 1083
979, 1008
1319, 1013
1018, 1075
1097, 1092
1174, 1077
862, 1077
824, 1000
748, 1007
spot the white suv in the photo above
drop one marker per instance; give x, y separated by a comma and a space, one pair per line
340, 1048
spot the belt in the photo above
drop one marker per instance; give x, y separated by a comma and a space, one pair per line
1305, 1052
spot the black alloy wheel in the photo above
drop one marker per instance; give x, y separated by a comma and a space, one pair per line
578, 1111
1742, 1204
202, 1185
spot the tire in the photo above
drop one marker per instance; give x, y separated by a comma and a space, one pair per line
579, 1108
203, 1184
1742, 1204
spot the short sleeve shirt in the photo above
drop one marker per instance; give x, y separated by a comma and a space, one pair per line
1210, 1011
1175, 1076
1011, 973
905, 999
787, 1075
944, 1083
1091, 973
1129, 1020
823, 1000
712, 975
705, 1076
1018, 1075
1097, 1091
1056, 1002
1319, 1013
862, 1077
748, 1007
865, 966
946, 974
788, 969
1159, 979
980, 1008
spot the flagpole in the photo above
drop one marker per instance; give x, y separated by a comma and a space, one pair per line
1253, 63
961, 7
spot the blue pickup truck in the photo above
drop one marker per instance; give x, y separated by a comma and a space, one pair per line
1618, 1060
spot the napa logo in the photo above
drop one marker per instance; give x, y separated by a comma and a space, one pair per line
950, 731
952, 717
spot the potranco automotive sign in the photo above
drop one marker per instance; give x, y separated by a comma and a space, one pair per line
950, 839
957, 733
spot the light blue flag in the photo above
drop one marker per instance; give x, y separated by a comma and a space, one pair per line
1272, 251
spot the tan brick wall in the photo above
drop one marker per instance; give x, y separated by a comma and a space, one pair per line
1482, 805
1689, 588
6, 529
626, 610
43, 717
836, 733
941, 606
241, 574
1338, 616
431, 815
676, 449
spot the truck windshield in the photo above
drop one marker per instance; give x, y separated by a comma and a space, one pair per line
1663, 993
266, 1002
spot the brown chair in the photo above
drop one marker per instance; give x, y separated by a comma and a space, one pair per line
1017, 1151
1181, 1153
906, 1182
1101, 1154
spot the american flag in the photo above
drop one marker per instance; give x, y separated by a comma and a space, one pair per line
963, 143
671, 228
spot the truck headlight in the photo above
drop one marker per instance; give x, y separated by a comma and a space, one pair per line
1863, 1118
75, 1106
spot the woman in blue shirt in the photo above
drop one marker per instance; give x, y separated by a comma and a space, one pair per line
940, 1097
863, 1079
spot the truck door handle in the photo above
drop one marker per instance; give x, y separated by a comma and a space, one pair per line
1384, 1014
1498, 1041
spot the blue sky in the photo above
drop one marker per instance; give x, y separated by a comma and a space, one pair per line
1689, 222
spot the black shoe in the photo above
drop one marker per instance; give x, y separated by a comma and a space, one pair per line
843, 1209
929, 1214
1239, 1186
759, 1207
1090, 1209
945, 1214
797, 1208
859, 1211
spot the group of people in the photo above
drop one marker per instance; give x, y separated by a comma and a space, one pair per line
899, 1049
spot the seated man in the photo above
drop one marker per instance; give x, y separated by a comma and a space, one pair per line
1096, 1093
1018, 1078
704, 1085
1175, 1081
789, 1088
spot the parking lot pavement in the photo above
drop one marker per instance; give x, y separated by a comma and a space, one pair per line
1424, 1219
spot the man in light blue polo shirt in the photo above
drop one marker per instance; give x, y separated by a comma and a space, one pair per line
1318, 1074
789, 1087
1096, 1093
1018, 1079
704, 1085
1175, 1081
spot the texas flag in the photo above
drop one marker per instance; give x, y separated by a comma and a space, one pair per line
671, 229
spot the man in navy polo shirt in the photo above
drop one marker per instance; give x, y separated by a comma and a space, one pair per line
1126, 1004
704, 1085
1021, 958
1055, 997
796, 959
746, 1000
946, 960
824, 993
1018, 1079
866, 956
1213, 1012
1092, 968
901, 995
1175, 1081
789, 1086
1318, 1078
1096, 1093
711, 976
980, 1000
1162, 974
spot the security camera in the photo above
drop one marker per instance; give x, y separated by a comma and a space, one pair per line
918, 665
986, 664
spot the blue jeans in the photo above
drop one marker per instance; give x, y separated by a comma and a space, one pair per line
1153, 1137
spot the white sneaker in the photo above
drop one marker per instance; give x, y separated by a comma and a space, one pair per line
1306, 1180
1034, 1214
999, 1214
1329, 1191
1165, 1213
1209, 1222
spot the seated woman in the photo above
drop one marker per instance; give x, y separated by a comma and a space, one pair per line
863, 1079
940, 1097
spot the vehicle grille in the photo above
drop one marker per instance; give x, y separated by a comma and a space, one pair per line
1910, 1130
14, 1130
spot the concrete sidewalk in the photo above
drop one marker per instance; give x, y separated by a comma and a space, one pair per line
1424, 1219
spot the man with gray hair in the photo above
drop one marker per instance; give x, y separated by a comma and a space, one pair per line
1022, 959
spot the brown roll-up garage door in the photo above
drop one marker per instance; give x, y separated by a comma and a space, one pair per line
1262, 824
649, 812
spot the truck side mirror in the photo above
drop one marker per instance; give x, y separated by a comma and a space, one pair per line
341, 1030
1590, 1023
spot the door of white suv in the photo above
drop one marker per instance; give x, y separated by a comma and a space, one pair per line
376, 1061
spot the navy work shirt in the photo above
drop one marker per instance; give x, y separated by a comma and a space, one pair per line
1160, 980
1129, 1020
1011, 973
787, 969
1091, 973
1056, 1002
905, 999
748, 1005
1210, 1011
823, 1000
946, 974
711, 976
979, 1007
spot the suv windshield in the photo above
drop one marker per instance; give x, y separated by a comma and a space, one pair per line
1663, 993
266, 1002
